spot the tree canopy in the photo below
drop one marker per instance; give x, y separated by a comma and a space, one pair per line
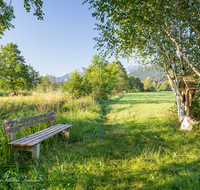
7, 13
136, 84
99, 80
122, 84
14, 73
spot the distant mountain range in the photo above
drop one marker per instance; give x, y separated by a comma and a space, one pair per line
146, 73
63, 78
131, 71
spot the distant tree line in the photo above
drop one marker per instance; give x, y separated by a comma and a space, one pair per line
150, 86
102, 79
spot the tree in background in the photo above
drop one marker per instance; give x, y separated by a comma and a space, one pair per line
154, 84
101, 76
14, 72
49, 83
165, 86
98, 80
74, 85
122, 78
158, 86
34, 78
135, 84
148, 86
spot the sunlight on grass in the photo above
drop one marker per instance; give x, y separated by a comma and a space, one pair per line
132, 141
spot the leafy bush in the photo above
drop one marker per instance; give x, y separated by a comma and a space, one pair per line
195, 108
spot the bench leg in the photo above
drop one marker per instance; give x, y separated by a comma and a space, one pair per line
36, 151
66, 133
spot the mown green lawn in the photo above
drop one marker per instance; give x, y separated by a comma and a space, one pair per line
134, 143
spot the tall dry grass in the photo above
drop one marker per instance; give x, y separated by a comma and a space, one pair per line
20, 106
83, 113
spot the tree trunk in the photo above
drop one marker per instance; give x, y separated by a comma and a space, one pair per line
180, 109
178, 99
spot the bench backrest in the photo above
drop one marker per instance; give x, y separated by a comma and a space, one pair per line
9, 127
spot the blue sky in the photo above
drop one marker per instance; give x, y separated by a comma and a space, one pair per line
60, 43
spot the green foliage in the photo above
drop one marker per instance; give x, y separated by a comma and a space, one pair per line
158, 86
195, 108
7, 13
99, 80
148, 86
15, 75
165, 86
36, 5
102, 77
74, 85
34, 78
48, 83
135, 84
122, 78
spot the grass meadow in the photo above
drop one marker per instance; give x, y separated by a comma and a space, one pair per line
130, 141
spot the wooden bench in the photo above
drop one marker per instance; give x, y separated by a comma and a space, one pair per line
31, 142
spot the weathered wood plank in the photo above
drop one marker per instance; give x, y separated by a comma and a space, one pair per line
24, 148
30, 136
36, 151
50, 122
23, 120
40, 135
23, 126
48, 136
11, 136
190, 82
67, 133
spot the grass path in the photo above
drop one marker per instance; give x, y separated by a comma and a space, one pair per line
141, 147
138, 146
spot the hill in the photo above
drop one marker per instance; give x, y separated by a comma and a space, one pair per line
153, 74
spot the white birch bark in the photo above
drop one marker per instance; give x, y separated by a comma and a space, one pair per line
178, 99
180, 109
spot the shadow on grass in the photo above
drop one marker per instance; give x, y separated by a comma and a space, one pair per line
105, 157
117, 151
114, 150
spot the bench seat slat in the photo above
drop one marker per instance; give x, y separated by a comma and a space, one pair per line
23, 126
48, 136
35, 135
27, 119
30, 135
41, 135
